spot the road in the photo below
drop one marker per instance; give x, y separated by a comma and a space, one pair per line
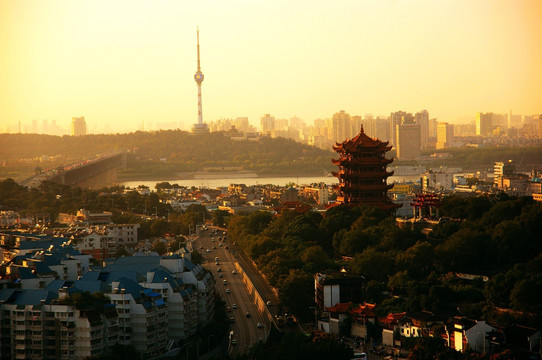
245, 330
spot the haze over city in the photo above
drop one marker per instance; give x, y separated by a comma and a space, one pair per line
128, 66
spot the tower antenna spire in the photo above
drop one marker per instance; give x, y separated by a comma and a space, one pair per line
199, 69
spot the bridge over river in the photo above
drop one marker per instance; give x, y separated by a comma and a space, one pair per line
92, 173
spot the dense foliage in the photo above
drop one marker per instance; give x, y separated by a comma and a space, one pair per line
494, 237
130, 207
291, 345
472, 159
166, 153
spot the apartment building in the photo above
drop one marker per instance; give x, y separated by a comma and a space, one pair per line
34, 325
155, 301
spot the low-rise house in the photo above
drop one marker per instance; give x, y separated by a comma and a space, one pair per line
524, 337
330, 290
463, 334
390, 324
363, 315
421, 323
332, 320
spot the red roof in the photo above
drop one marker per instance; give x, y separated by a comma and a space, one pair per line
339, 307
392, 318
364, 310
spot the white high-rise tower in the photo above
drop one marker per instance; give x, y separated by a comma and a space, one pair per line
199, 127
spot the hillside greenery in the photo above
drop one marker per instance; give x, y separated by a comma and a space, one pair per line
167, 154
406, 270
164, 153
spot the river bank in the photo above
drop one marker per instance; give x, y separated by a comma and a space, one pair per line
277, 180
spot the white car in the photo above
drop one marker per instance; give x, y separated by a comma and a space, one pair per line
259, 325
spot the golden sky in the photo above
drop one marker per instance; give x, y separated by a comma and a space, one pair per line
122, 63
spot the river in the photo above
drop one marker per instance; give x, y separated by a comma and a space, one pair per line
281, 181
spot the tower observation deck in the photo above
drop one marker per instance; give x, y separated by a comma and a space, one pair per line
200, 127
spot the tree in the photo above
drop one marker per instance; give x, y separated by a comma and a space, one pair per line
372, 264
527, 294
159, 247
221, 218
297, 292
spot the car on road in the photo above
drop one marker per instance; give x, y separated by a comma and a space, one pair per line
269, 303
225, 282
227, 247
228, 291
247, 314
234, 306
360, 356
234, 342
216, 258
228, 309
218, 269
208, 250
220, 275
220, 244
234, 272
232, 320
259, 325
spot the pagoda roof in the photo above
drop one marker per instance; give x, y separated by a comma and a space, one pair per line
361, 140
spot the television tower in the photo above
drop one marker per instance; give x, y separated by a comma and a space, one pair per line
200, 127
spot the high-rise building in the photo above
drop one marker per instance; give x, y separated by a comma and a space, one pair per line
79, 126
200, 127
362, 172
267, 124
422, 118
241, 124
408, 140
381, 128
281, 124
45, 126
445, 135
502, 169
342, 128
433, 130
297, 123
488, 123
397, 118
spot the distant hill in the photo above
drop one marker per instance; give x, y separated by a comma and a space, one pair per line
164, 153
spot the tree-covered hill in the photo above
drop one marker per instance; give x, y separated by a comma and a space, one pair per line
406, 270
165, 153
524, 157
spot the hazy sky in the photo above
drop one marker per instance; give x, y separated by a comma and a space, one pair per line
119, 63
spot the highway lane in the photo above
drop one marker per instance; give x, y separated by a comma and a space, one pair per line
245, 329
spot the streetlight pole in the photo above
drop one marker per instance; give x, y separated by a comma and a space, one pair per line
315, 317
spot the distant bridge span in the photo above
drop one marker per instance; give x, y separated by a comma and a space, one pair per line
94, 173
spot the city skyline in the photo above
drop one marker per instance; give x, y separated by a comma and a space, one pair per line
125, 66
